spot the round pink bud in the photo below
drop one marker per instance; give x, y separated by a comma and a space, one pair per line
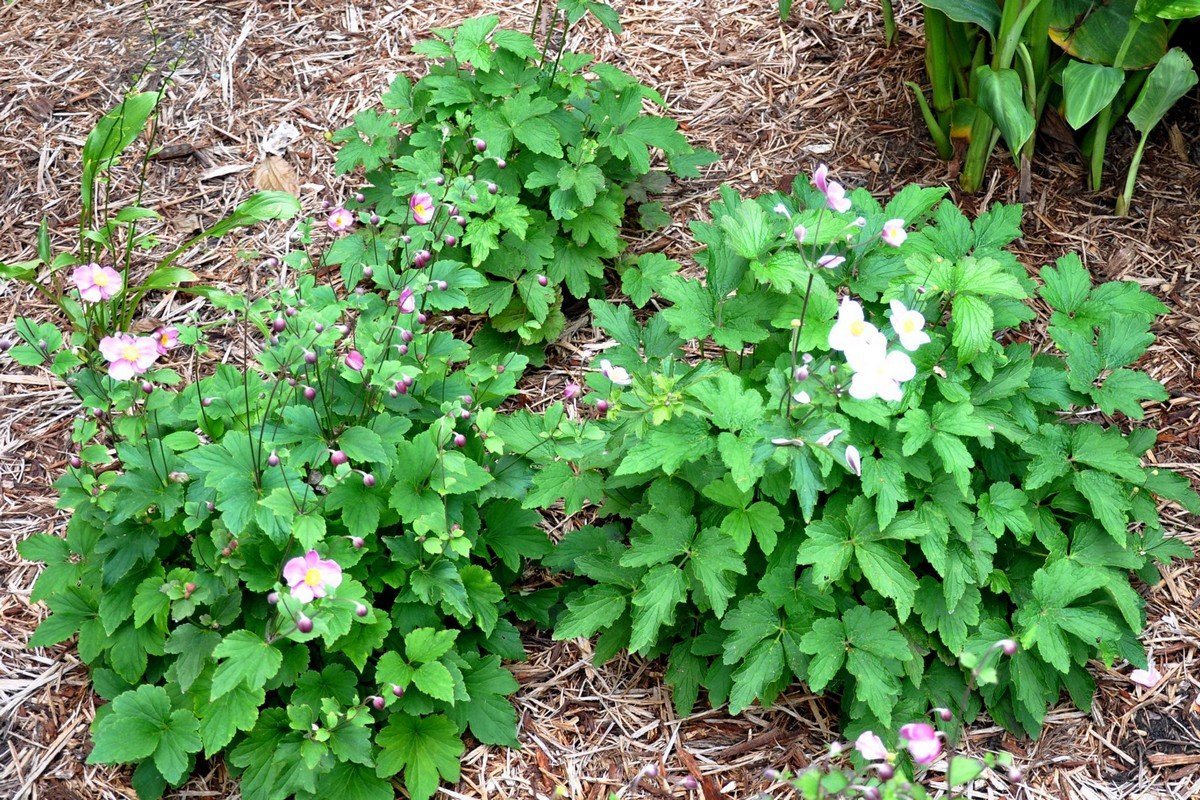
650, 770
492, 188
360, 609
357, 542
75, 462
374, 219
459, 440
1016, 774
310, 357
310, 393
274, 339
377, 701
368, 480
278, 324
319, 328
273, 598
800, 374
500, 369
501, 163
337, 458
442, 286
408, 380
474, 198
368, 272
885, 771
1008, 646
325, 204
272, 262
689, 783
451, 240
147, 387
304, 624
770, 774
480, 145
460, 221
454, 211
943, 714
871, 793
206, 402
359, 197
422, 318
542, 280
273, 460
602, 405
440, 180
290, 311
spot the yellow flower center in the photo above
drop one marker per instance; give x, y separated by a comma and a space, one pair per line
100, 279
857, 328
313, 577
130, 353
909, 325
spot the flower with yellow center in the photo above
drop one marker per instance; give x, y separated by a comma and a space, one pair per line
309, 576
852, 331
909, 326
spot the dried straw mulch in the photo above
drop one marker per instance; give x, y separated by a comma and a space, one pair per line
772, 100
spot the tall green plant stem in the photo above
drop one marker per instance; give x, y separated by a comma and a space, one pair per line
1105, 121
1013, 18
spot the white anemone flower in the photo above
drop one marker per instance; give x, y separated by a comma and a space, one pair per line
909, 326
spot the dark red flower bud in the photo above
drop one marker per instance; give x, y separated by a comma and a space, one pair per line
602, 405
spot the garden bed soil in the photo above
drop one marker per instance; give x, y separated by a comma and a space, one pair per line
773, 100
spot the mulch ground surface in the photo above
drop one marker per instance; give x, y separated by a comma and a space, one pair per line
773, 100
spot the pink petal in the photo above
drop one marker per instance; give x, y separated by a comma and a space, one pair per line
311, 559
331, 573
303, 592
294, 569
122, 370
111, 347
1149, 678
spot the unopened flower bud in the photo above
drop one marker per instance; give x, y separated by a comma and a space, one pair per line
460, 221
5, 344
188, 588
542, 280
480, 145
943, 714
357, 542
377, 701
474, 198
310, 357
871, 793
359, 197
319, 328
310, 393
800, 374
459, 440
440, 180
1016, 774
274, 339
406, 239
337, 458
451, 240
325, 204
273, 598
650, 770
368, 480
492, 188
885, 771
397, 690
1008, 646
499, 369
278, 324
368, 272
602, 405
75, 462
770, 774
374, 219
501, 163
304, 624
360, 610
442, 286
273, 459
290, 311
689, 783
178, 477
147, 387
422, 318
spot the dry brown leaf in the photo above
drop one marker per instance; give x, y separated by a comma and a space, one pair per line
276, 175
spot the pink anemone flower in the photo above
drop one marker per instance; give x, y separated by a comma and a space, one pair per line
340, 220
422, 207
165, 339
309, 576
96, 283
128, 355
923, 742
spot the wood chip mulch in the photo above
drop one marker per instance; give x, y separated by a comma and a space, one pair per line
773, 100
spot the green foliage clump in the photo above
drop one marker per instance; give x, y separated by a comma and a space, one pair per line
361, 432
763, 521
538, 153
